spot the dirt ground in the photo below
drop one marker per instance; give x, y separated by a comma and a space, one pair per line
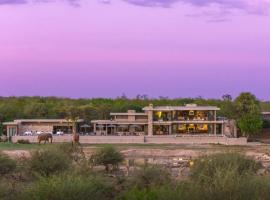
256, 151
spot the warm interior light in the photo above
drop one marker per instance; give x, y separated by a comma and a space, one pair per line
159, 114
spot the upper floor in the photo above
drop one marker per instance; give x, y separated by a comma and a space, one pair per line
130, 116
190, 112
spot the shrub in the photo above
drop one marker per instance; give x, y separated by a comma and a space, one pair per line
180, 191
3, 138
22, 141
106, 156
48, 162
69, 187
225, 176
74, 152
210, 166
150, 176
7, 165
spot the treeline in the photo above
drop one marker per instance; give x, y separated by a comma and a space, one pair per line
99, 108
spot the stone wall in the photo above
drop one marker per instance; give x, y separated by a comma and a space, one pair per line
87, 139
142, 139
195, 140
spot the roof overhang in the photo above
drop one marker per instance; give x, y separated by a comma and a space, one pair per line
19, 121
265, 113
181, 108
128, 114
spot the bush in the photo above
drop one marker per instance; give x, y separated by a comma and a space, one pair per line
7, 165
48, 162
225, 176
150, 176
210, 166
22, 141
74, 152
180, 191
107, 156
3, 138
69, 187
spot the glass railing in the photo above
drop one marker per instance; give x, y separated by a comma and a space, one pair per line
186, 119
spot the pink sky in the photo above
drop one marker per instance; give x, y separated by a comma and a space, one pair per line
174, 48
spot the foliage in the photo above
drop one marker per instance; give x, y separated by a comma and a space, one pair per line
22, 141
248, 114
69, 187
150, 176
98, 108
225, 176
250, 124
158, 193
107, 156
247, 103
74, 152
3, 138
206, 168
49, 161
7, 165
216, 177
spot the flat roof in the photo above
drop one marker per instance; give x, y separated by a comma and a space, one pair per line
265, 113
18, 121
118, 122
10, 123
172, 108
128, 114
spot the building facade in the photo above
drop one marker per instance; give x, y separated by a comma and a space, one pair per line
166, 120
33, 126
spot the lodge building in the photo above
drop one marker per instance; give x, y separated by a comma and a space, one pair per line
190, 119
33, 126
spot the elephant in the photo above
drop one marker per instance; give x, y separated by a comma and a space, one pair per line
45, 137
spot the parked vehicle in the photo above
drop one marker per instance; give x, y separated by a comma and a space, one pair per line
59, 133
27, 133
39, 132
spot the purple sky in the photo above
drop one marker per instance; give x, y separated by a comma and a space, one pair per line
103, 48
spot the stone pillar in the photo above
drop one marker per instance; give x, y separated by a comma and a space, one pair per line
170, 129
95, 128
215, 125
150, 120
222, 128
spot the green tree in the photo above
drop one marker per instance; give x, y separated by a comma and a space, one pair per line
248, 114
247, 103
250, 124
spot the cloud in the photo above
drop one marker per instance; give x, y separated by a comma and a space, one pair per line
74, 3
105, 1
3, 2
152, 3
258, 7
249, 6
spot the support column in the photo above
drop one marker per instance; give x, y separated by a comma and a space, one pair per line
222, 129
215, 125
170, 129
95, 128
150, 123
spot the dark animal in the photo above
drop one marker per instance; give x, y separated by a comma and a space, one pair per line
45, 137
